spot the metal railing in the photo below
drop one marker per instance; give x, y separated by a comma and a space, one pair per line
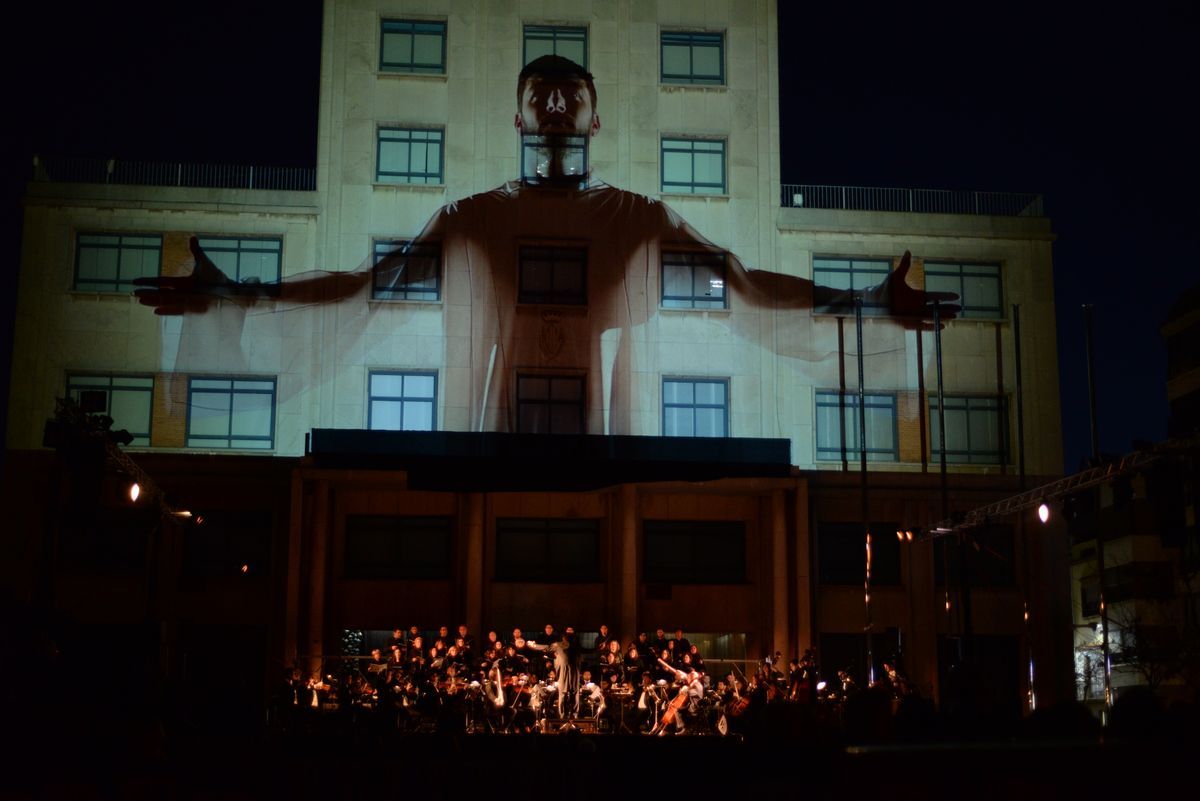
151, 173
920, 201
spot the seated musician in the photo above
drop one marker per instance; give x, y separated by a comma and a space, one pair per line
691, 686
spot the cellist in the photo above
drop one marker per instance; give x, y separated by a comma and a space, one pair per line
684, 710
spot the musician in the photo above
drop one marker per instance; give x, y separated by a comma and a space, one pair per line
659, 642
682, 645
516, 635
375, 670
664, 670
416, 655
634, 664
693, 687
697, 660
397, 639
465, 635
514, 663
648, 700
603, 639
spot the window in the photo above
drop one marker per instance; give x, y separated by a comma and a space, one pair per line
554, 40
246, 260
695, 407
231, 413
553, 275
989, 559
693, 166
1089, 596
694, 551
110, 262
392, 547
227, 541
832, 417
547, 550
976, 430
402, 401
413, 46
411, 272
693, 280
548, 404
836, 277
695, 58
127, 399
409, 156
977, 286
842, 553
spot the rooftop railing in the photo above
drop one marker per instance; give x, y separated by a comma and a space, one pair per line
152, 173
920, 201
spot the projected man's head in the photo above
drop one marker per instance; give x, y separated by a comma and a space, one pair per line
556, 115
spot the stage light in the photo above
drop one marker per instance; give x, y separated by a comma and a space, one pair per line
900, 536
245, 569
908, 535
135, 491
1043, 512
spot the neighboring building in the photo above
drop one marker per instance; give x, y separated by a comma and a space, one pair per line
562, 493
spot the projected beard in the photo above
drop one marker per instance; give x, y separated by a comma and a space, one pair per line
555, 119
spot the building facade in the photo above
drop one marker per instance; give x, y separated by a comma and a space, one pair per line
705, 308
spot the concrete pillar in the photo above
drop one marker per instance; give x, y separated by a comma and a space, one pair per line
317, 575
291, 632
627, 559
803, 623
779, 575
473, 572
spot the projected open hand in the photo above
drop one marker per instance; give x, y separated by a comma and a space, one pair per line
194, 293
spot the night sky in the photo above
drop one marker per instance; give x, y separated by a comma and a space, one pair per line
1095, 110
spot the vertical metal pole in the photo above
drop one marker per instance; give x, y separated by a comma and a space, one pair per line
862, 467
1026, 576
1020, 394
1091, 372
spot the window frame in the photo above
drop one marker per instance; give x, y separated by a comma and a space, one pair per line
673, 144
693, 259
1001, 427
385, 178
952, 270
553, 297
406, 291
821, 401
212, 440
402, 399
694, 406
211, 244
691, 39
567, 33
72, 386
412, 67
879, 308
549, 402
116, 285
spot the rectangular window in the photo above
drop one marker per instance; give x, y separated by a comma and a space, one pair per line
693, 58
405, 270
693, 166
409, 155
836, 278
226, 542
556, 40
694, 551
127, 399
110, 262
413, 46
547, 550
402, 401
989, 559
246, 260
693, 280
231, 413
397, 548
882, 436
976, 430
553, 275
842, 553
550, 404
695, 407
977, 286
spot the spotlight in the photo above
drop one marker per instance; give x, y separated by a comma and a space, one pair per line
245, 569
908, 535
1043, 512
900, 536
135, 491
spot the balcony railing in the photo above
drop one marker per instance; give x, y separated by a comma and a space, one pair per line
921, 201
151, 173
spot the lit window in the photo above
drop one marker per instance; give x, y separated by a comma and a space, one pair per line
547, 550
231, 413
836, 278
412, 46
110, 262
695, 407
556, 40
127, 399
409, 156
402, 401
837, 414
693, 166
548, 404
977, 286
246, 260
976, 430
553, 275
406, 270
692, 280
695, 58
